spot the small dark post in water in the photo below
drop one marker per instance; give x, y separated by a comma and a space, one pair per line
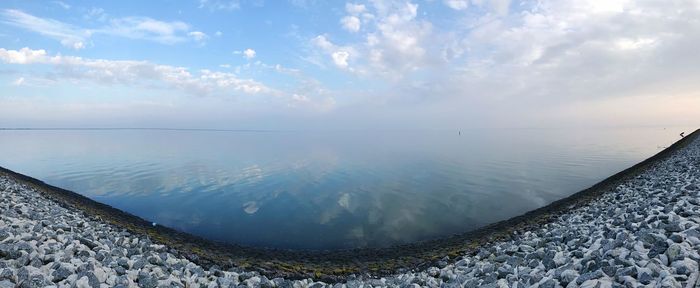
460, 132
682, 134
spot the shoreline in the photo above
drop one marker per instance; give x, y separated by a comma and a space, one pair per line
343, 265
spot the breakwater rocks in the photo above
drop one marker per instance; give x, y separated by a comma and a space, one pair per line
645, 232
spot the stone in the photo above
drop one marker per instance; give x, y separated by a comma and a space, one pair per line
6, 284
644, 275
673, 227
611, 271
92, 280
568, 276
147, 281
6, 274
60, 274
138, 264
588, 276
674, 252
677, 238
433, 271
550, 283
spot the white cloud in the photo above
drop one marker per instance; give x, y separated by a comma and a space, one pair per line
350, 23
632, 44
340, 58
96, 14
69, 35
63, 5
339, 55
18, 82
148, 29
143, 28
137, 73
249, 53
198, 36
355, 9
457, 4
23, 56
500, 7
300, 98
220, 4
218, 33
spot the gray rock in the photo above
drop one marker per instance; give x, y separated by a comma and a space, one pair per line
23, 246
568, 276
550, 283
23, 260
673, 227
123, 262
60, 274
675, 252
644, 275
145, 280
589, 276
34, 281
6, 284
91, 278
6, 274
224, 282
138, 264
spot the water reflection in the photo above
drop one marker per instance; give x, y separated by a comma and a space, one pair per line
327, 190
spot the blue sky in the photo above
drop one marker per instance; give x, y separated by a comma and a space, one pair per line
379, 64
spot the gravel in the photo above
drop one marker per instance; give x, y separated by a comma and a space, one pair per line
644, 232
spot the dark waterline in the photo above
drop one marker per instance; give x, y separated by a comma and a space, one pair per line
326, 190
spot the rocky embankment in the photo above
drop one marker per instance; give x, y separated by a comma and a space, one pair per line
643, 233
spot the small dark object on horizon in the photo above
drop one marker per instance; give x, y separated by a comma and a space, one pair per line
682, 134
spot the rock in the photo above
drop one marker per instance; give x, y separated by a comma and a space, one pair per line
224, 282
90, 278
138, 264
677, 238
23, 246
588, 276
36, 280
659, 247
684, 267
83, 254
60, 274
433, 271
6, 274
568, 276
644, 275
89, 243
6, 284
674, 252
23, 260
253, 282
550, 283
610, 271
122, 262
673, 227
147, 281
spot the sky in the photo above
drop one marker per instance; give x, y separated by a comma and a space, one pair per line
377, 64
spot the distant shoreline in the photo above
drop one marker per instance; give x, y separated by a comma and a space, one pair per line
133, 128
333, 266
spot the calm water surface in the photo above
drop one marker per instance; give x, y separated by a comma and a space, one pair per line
327, 190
